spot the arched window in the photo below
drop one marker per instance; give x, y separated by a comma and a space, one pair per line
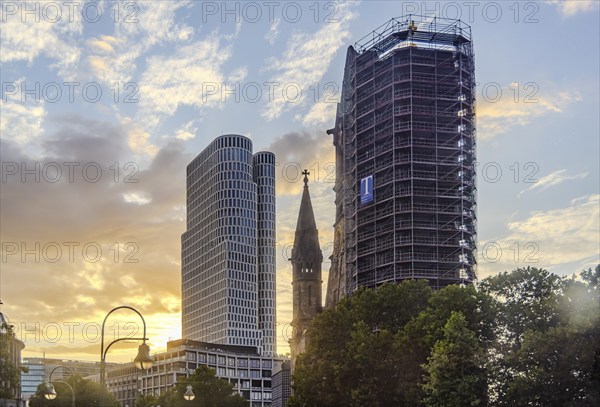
310, 295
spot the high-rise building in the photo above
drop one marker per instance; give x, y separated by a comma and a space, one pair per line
264, 176
228, 249
306, 259
405, 151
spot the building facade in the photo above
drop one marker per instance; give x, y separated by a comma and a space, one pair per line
39, 370
35, 375
264, 177
306, 260
228, 249
12, 348
241, 366
405, 152
282, 384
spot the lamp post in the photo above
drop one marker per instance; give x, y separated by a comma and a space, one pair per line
142, 361
51, 391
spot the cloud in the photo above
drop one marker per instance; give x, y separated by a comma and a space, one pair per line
25, 37
306, 60
570, 8
498, 117
187, 131
321, 114
295, 152
113, 58
555, 238
105, 44
138, 138
552, 179
191, 77
109, 230
22, 121
273, 33
144, 217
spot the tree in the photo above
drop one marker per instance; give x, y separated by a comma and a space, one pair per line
9, 371
592, 278
547, 339
526, 298
146, 400
455, 373
359, 354
87, 393
209, 391
525, 338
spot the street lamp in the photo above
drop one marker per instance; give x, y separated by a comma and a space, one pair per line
142, 361
189, 394
50, 393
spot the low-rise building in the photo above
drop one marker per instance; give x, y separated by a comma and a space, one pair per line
122, 381
242, 366
39, 370
14, 347
282, 384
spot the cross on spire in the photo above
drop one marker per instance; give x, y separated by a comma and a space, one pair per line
306, 174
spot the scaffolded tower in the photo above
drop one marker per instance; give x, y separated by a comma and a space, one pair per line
405, 144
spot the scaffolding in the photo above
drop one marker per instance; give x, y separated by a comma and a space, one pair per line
408, 122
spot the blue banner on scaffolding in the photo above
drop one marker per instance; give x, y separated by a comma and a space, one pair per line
366, 190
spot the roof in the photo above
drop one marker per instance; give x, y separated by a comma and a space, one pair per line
306, 240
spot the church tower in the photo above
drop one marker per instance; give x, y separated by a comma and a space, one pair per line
306, 268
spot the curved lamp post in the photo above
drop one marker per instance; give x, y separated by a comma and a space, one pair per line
51, 391
142, 361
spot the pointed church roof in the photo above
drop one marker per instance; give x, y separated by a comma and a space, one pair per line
307, 235
306, 216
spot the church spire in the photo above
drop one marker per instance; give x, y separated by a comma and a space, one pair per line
306, 272
306, 226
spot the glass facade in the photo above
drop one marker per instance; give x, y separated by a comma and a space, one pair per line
230, 220
264, 176
31, 379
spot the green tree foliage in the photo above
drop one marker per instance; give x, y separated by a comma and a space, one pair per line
369, 349
9, 372
455, 373
146, 400
87, 393
547, 338
523, 338
209, 391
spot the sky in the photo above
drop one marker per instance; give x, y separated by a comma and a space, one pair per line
105, 103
